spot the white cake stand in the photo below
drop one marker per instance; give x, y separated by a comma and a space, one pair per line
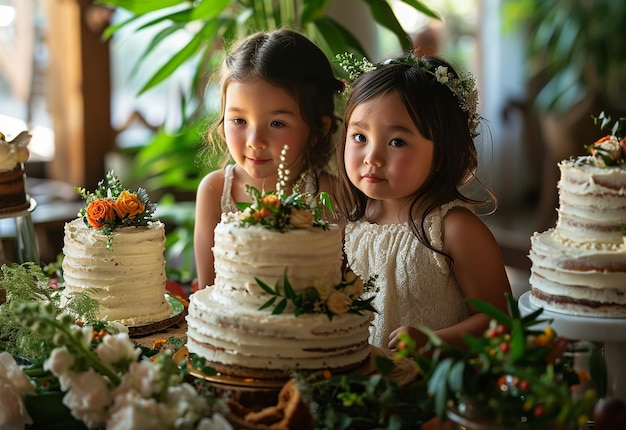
610, 331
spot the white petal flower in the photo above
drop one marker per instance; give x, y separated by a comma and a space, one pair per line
89, 398
14, 384
141, 378
60, 363
117, 348
216, 422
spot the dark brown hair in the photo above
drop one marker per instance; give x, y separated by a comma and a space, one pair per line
435, 111
288, 60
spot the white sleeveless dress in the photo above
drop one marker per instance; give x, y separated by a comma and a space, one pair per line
415, 284
228, 203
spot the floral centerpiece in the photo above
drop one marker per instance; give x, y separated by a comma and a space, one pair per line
275, 210
514, 376
111, 206
101, 378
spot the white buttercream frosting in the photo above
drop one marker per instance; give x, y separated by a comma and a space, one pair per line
579, 267
226, 326
128, 279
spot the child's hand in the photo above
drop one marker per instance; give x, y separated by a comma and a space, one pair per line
417, 336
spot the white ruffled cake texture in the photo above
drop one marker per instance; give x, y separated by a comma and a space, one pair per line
128, 279
226, 326
579, 267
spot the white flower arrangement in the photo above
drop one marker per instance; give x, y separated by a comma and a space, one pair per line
106, 381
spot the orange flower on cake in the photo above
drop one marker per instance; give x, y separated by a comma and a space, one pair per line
128, 205
100, 212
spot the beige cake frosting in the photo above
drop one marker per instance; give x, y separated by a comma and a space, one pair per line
579, 267
226, 326
127, 277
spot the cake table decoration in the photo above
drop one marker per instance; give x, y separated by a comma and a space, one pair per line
114, 251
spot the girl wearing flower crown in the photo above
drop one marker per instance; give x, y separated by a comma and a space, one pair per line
277, 89
407, 152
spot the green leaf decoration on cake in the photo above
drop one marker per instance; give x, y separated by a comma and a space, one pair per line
321, 298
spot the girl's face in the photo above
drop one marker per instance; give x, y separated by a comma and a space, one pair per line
259, 120
386, 156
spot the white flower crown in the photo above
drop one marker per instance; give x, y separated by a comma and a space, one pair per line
462, 87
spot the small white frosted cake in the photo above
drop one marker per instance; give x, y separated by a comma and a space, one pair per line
579, 267
128, 279
228, 326
114, 252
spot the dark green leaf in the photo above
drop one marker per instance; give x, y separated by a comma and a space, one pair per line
384, 15
280, 307
266, 288
269, 303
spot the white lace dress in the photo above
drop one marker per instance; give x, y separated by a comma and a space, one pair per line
415, 284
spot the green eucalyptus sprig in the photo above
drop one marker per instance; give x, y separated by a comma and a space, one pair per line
339, 299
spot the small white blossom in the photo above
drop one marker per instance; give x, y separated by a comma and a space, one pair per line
89, 398
116, 348
141, 378
60, 363
14, 384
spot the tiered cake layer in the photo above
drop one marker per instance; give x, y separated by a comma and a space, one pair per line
579, 267
227, 328
127, 278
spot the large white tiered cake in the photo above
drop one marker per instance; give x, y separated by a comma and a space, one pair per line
114, 251
579, 267
325, 328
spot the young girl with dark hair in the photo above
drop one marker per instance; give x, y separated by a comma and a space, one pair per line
407, 152
277, 89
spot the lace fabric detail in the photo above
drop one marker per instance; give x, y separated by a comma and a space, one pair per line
227, 202
424, 291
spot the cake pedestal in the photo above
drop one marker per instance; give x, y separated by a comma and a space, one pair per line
610, 331
24, 234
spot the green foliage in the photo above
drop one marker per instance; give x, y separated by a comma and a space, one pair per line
27, 283
358, 400
513, 374
575, 45
310, 301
